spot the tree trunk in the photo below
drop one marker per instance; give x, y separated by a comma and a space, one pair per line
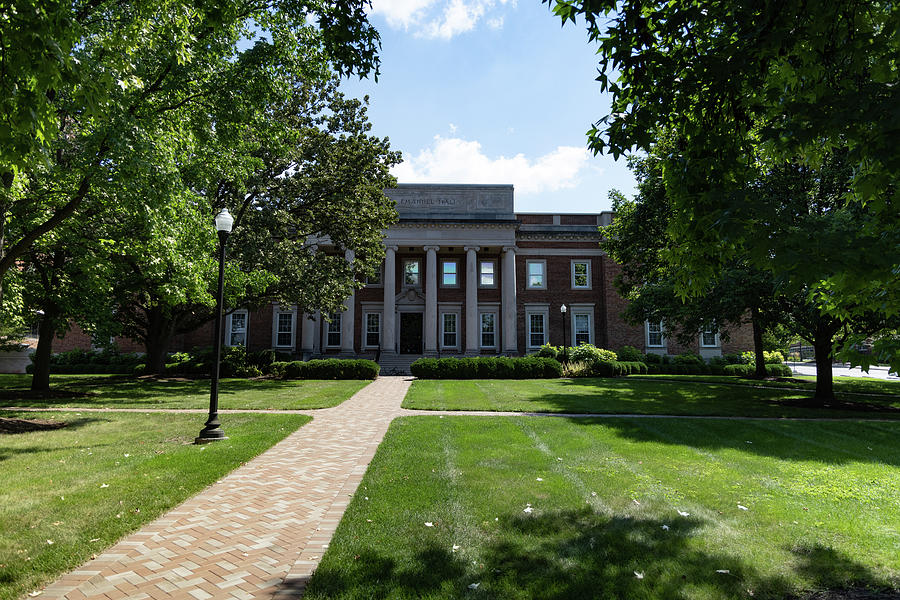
40, 377
824, 380
758, 343
156, 341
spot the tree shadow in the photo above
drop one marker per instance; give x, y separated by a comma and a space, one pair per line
561, 555
111, 391
649, 396
830, 442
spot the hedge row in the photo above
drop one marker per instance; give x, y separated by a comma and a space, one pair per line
750, 370
87, 369
329, 368
736, 370
487, 367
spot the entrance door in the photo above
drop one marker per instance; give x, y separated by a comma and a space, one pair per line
411, 332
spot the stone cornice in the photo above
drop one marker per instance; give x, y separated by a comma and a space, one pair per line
581, 237
455, 225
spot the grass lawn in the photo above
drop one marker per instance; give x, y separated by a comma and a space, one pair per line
524, 507
842, 385
130, 392
631, 395
69, 493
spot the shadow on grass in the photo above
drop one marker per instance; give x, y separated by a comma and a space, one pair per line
111, 391
561, 555
647, 396
8, 452
817, 441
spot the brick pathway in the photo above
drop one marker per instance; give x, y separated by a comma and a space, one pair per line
259, 532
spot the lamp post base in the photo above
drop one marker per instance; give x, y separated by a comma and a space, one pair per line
201, 439
211, 433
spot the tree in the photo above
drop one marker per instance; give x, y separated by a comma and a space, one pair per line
309, 169
748, 83
118, 69
638, 240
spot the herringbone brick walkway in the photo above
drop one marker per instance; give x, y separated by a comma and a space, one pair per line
259, 532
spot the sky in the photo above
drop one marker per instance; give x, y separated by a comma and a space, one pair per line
492, 91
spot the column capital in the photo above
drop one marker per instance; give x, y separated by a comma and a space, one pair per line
510, 248
349, 255
431, 248
391, 247
475, 248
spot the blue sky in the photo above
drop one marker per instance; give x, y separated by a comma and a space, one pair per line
492, 91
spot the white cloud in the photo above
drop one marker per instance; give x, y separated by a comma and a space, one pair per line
442, 19
454, 160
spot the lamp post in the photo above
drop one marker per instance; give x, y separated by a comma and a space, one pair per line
212, 431
562, 310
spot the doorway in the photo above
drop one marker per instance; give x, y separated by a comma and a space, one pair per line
411, 332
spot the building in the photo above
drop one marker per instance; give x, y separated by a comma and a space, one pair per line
464, 275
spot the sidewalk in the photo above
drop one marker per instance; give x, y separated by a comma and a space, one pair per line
259, 532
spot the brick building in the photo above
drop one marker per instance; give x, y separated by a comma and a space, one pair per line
465, 275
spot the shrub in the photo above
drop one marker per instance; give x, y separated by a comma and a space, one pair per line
771, 358
487, 367
589, 353
629, 354
634, 367
329, 368
653, 359
732, 359
548, 351
778, 371
688, 358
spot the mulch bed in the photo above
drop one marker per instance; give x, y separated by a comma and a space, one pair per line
13, 426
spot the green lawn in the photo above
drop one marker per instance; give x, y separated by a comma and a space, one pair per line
842, 385
632, 395
69, 493
822, 500
129, 392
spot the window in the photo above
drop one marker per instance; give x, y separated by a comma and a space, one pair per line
334, 331
284, 329
411, 272
374, 279
448, 273
448, 324
655, 334
536, 274
487, 270
709, 337
237, 329
582, 328
536, 332
488, 330
373, 329
581, 274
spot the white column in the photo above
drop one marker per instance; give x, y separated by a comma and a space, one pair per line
472, 337
308, 332
308, 335
390, 292
510, 343
348, 316
431, 316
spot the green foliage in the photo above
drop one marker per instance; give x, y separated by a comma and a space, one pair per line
590, 353
487, 367
771, 358
746, 370
329, 368
786, 157
548, 351
629, 354
688, 358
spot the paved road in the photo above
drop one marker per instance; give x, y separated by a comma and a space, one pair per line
842, 370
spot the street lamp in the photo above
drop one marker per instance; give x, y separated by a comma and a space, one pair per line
562, 310
212, 431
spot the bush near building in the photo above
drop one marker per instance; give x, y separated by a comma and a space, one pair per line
329, 368
487, 367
